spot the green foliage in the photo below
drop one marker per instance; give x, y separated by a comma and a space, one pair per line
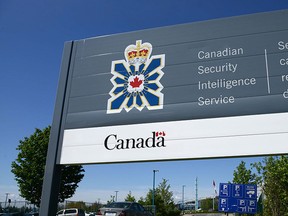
70, 177
242, 175
29, 168
272, 176
78, 204
207, 204
274, 181
142, 201
164, 202
130, 198
163, 190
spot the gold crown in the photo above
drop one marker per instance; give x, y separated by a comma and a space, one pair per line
139, 53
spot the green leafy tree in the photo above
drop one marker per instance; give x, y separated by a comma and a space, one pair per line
242, 175
29, 168
273, 173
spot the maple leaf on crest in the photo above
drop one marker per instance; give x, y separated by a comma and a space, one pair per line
136, 82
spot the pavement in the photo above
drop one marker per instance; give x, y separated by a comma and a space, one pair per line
208, 214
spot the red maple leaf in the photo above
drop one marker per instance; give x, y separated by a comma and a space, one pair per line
136, 82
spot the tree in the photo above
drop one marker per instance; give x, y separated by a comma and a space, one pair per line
142, 201
130, 198
207, 204
29, 168
164, 202
77, 204
163, 190
242, 175
273, 173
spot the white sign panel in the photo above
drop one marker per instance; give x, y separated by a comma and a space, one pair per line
219, 137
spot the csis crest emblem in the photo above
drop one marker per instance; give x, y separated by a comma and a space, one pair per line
136, 80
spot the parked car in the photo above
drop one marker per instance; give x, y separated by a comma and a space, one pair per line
92, 213
71, 212
124, 209
11, 214
32, 214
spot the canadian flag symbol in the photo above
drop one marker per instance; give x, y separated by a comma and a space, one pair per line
162, 133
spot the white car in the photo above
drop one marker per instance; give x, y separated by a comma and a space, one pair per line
71, 212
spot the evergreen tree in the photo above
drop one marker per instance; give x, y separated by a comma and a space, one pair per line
130, 198
164, 202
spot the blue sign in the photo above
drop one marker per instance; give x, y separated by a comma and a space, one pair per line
238, 198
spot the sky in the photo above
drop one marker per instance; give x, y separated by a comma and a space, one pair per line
32, 37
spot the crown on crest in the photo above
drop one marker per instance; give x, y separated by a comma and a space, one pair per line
139, 53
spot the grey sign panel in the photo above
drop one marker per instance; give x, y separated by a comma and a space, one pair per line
179, 92
220, 68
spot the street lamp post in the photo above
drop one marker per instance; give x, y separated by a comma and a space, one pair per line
196, 200
116, 195
6, 200
153, 192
